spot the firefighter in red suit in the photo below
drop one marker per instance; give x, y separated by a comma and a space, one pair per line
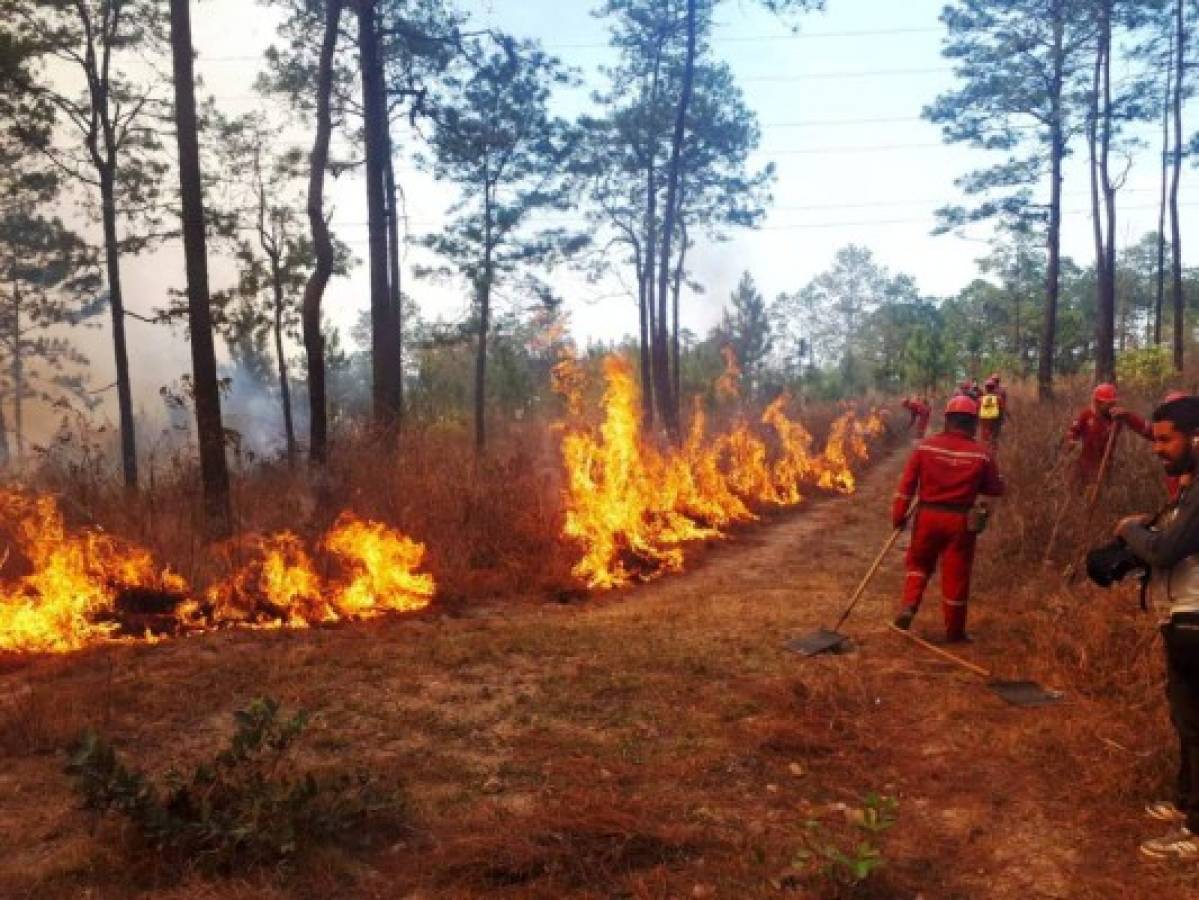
919, 412
1093, 426
947, 472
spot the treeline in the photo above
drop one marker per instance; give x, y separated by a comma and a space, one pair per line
860, 327
659, 166
1035, 85
88, 116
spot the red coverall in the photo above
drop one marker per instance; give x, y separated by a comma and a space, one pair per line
949, 471
1092, 430
919, 416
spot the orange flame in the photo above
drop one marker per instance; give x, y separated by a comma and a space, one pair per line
68, 597
630, 506
72, 594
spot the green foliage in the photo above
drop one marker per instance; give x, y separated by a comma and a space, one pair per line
242, 808
1148, 368
849, 860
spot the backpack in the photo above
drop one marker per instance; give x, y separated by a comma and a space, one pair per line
989, 407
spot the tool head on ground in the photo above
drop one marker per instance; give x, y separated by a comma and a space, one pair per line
819, 641
1024, 693
1017, 693
825, 640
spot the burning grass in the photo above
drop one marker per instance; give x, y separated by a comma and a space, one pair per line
589, 502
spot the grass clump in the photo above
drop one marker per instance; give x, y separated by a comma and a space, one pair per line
243, 808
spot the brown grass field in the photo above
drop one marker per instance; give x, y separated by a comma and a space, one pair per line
657, 742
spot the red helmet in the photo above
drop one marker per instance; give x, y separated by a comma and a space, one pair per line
961, 404
1174, 395
994, 377
1104, 393
993, 381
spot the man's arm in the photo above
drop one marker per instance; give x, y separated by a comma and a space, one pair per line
1163, 549
992, 482
908, 483
1137, 425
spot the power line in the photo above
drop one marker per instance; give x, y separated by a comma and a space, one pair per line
734, 39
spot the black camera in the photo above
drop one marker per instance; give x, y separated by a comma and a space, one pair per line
1113, 562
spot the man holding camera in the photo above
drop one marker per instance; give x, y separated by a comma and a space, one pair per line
1170, 548
949, 471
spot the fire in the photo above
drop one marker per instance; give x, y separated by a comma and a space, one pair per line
381, 565
621, 494
630, 506
275, 582
69, 594
76, 588
728, 385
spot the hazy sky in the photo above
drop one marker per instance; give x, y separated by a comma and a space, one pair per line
839, 105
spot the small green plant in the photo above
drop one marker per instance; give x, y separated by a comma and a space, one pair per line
849, 860
240, 809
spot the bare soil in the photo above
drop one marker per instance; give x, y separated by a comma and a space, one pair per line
652, 743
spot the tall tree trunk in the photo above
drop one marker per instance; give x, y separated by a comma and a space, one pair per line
314, 289
214, 472
112, 260
1160, 294
675, 289
483, 298
1094, 113
647, 384
668, 403
375, 125
16, 370
397, 294
647, 281
1105, 357
1054, 235
5, 453
289, 428
1175, 223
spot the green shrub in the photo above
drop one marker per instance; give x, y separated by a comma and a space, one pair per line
1147, 368
240, 809
849, 859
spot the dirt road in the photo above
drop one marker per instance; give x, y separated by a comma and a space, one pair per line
657, 742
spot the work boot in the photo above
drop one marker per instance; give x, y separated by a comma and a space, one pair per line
1165, 811
903, 621
1181, 844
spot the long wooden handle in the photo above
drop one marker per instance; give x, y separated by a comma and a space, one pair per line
957, 660
1104, 465
878, 561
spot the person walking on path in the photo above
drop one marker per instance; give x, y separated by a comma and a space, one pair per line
947, 472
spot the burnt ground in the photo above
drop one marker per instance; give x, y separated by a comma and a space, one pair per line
655, 742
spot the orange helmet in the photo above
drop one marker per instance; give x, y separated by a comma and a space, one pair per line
961, 404
1104, 393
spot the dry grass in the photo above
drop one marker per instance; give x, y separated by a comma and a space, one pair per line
656, 742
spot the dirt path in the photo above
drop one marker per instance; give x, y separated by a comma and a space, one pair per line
659, 742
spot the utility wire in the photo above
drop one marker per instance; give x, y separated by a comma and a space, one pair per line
733, 39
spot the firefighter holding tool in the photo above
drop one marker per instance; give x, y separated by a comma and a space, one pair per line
1092, 428
948, 472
